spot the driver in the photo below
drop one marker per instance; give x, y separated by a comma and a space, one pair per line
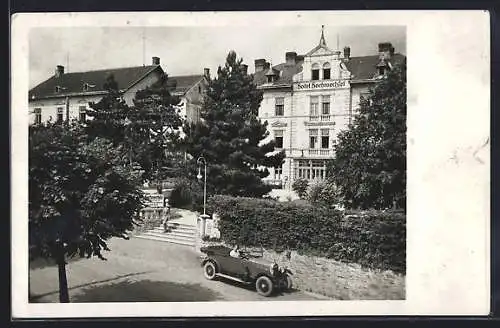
235, 252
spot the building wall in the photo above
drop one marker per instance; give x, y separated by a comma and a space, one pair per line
194, 100
143, 84
49, 107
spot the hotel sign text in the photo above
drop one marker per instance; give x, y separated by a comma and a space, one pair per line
321, 85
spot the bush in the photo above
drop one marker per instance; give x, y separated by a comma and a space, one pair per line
300, 187
186, 194
376, 240
324, 193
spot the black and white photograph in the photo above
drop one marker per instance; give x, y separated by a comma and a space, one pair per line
217, 163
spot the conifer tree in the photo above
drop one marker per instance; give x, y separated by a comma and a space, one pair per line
230, 135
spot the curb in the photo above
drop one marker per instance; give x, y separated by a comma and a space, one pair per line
323, 297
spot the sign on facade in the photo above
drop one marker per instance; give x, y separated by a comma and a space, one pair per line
321, 85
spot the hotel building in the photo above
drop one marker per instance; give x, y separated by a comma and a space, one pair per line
309, 98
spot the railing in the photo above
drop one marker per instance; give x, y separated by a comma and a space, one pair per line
322, 152
325, 118
313, 117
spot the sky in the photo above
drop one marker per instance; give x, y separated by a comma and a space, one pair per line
188, 50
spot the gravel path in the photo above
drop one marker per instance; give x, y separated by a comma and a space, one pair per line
139, 270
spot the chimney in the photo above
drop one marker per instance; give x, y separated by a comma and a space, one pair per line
260, 65
267, 65
291, 58
385, 50
299, 59
347, 52
59, 70
206, 73
156, 60
244, 69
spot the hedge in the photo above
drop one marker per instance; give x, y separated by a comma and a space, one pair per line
375, 240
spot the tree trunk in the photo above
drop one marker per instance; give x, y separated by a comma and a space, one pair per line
63, 282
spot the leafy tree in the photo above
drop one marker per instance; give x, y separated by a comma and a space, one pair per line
370, 162
230, 135
300, 187
81, 193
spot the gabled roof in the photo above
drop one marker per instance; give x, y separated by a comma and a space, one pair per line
73, 83
181, 84
361, 68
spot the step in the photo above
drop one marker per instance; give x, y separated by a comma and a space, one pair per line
180, 224
172, 241
174, 232
178, 228
169, 236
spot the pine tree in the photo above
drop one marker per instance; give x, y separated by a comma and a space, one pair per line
230, 135
370, 157
148, 131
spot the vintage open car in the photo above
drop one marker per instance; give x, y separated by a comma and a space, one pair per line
267, 277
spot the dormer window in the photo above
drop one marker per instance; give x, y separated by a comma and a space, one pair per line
326, 71
315, 72
269, 78
57, 89
85, 87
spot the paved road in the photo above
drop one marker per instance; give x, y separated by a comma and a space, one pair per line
139, 270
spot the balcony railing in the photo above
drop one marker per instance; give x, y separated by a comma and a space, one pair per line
320, 118
321, 152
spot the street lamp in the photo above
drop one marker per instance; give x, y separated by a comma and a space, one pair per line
200, 160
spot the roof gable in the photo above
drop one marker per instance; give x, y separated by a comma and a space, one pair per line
320, 50
182, 84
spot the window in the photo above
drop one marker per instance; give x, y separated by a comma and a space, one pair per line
60, 114
57, 89
38, 115
326, 71
278, 138
85, 87
314, 108
278, 171
279, 109
313, 138
325, 106
325, 138
82, 110
310, 169
315, 72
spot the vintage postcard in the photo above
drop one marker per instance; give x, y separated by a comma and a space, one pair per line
250, 164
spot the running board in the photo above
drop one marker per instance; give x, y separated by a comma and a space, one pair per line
232, 278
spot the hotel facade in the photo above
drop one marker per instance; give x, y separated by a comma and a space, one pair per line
309, 99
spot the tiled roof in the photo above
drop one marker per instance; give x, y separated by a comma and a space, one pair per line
73, 83
361, 68
181, 84
287, 72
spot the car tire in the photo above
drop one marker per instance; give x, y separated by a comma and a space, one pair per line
264, 286
210, 270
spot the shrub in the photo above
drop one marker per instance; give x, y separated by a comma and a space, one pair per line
324, 193
185, 194
300, 187
376, 240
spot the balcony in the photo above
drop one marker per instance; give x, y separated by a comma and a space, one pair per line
325, 119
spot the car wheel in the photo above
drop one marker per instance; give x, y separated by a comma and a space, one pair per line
209, 270
264, 286
288, 282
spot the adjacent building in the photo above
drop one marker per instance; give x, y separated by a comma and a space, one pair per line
69, 94
309, 98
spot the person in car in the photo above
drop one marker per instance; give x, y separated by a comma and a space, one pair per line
235, 252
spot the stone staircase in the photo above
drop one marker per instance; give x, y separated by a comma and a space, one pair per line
181, 231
